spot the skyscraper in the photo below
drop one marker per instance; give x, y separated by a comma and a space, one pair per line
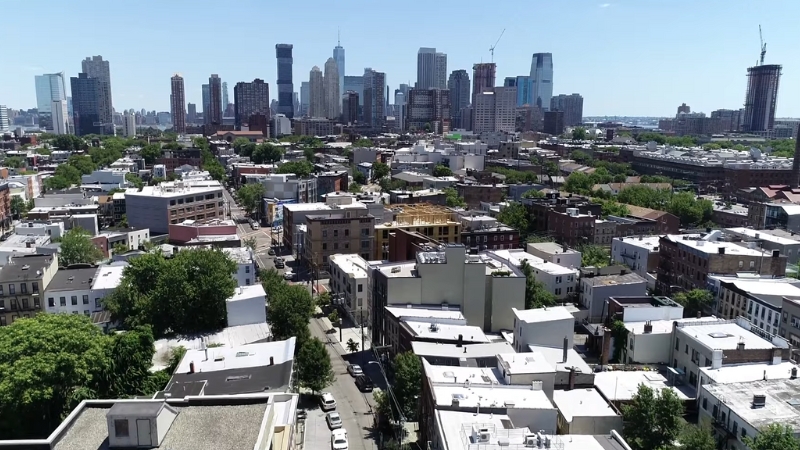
177, 103
400, 109
761, 98
428, 110
316, 107
191, 116
355, 83
87, 103
50, 87
458, 85
542, 78
215, 97
350, 107
338, 56
206, 103
374, 101
483, 78
495, 110
283, 52
431, 69
571, 106
129, 124
4, 125
333, 101
60, 117
305, 98
524, 90
224, 95
96, 67
249, 99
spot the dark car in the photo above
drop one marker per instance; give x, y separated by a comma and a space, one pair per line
364, 384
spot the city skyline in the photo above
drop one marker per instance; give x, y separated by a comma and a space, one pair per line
620, 66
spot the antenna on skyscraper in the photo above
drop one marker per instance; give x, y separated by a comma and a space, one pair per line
491, 49
763, 45
339, 36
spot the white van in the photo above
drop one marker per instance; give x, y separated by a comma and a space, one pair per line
327, 402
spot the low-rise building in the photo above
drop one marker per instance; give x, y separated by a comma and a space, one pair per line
156, 207
585, 411
550, 327
556, 279
758, 298
613, 281
556, 253
484, 232
474, 194
763, 239
247, 306
435, 221
246, 270
349, 285
640, 253
23, 280
70, 291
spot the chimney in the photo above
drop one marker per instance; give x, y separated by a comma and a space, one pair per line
793, 375
721, 250
571, 385
740, 345
271, 361
191, 367
776, 253
796, 165
648, 327
460, 341
566, 350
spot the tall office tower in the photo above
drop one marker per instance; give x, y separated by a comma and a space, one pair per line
554, 122
316, 104
96, 67
571, 105
761, 98
87, 101
431, 69
350, 107
684, 108
283, 52
524, 86
50, 87
374, 112
404, 88
191, 117
4, 124
206, 103
177, 103
60, 117
305, 96
428, 110
355, 83
401, 109
224, 96
458, 86
495, 110
129, 124
542, 77
483, 78
386, 102
338, 56
215, 97
296, 103
249, 99
333, 101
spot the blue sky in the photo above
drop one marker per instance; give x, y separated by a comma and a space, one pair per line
631, 57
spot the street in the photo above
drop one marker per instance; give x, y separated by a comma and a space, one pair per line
245, 231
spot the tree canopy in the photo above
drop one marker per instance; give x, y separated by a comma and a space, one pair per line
379, 170
185, 294
579, 133
150, 153
290, 308
362, 142
442, 171
300, 168
695, 437
359, 177
516, 216
407, 382
77, 248
250, 196
314, 369
536, 294
685, 205
452, 198
266, 153
694, 301
776, 436
653, 420
594, 255
69, 142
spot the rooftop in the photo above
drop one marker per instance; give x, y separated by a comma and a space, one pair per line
418, 311
745, 373
227, 337
524, 363
72, 279
551, 248
432, 349
724, 335
240, 255
507, 396
782, 401
176, 189
713, 247
109, 276
622, 385
582, 403
661, 326
399, 270
608, 280
446, 332
248, 292
294, 207
646, 242
25, 268
460, 374
351, 264
20, 242
555, 356
542, 314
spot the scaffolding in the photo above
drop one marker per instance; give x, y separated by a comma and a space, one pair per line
420, 214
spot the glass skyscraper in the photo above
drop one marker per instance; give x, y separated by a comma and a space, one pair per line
283, 52
542, 78
50, 87
338, 56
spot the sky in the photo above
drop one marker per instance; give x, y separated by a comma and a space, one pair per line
631, 57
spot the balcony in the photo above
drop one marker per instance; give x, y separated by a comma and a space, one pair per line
722, 429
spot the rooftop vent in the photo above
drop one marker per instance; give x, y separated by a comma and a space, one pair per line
759, 401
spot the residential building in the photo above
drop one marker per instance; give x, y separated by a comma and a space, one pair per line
50, 87
585, 411
283, 52
554, 122
315, 126
246, 268
428, 110
550, 327
316, 105
206, 102
22, 282
790, 321
214, 116
485, 289
95, 67
350, 285
434, 221
247, 306
374, 98
289, 187
129, 125
558, 280
356, 84
458, 89
599, 284
332, 96
87, 106
666, 223
761, 97
350, 103
191, 115
474, 194
542, 79
431, 69
640, 253
250, 99
760, 299
70, 291
349, 227
571, 226
556, 253
177, 101
59, 117
483, 79
4, 123
494, 109
766, 241
571, 105
481, 232
156, 207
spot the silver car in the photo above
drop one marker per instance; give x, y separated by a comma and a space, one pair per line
334, 420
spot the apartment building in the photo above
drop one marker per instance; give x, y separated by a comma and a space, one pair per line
246, 268
288, 186
556, 254
640, 253
765, 240
70, 292
435, 221
790, 321
474, 194
156, 207
22, 282
481, 232
600, 284
571, 226
349, 230
540, 209
350, 285
556, 279
759, 298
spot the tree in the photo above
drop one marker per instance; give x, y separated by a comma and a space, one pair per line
379, 170
291, 307
314, 366
69, 142
238, 143
78, 248
215, 170
300, 168
612, 208
653, 419
408, 380
324, 299
442, 171
266, 153
452, 198
308, 153
362, 142
18, 206
694, 301
352, 345
579, 133
334, 318
515, 216
354, 188
150, 153
536, 294
697, 438
250, 196
594, 256
134, 180
775, 436
50, 362
14, 162
533, 193
359, 177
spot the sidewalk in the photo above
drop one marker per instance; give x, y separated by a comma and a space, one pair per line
347, 332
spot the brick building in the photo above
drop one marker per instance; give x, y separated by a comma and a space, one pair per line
474, 194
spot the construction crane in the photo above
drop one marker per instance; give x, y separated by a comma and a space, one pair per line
763, 45
491, 49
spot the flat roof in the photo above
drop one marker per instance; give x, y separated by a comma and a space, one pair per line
445, 331
782, 287
109, 276
399, 270
240, 255
725, 336
401, 311
172, 189
759, 234
662, 326
745, 373
582, 403
555, 355
318, 206
72, 279
503, 396
18, 242
782, 401
712, 247
351, 264
551, 248
623, 385
460, 374
524, 363
646, 242
543, 314
248, 292
433, 349
25, 267
228, 337
608, 280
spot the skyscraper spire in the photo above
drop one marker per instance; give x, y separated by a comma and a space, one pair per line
338, 37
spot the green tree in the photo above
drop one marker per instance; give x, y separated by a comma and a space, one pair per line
775, 436
695, 437
314, 370
18, 206
239, 143
533, 193
216, 170
150, 153
352, 345
334, 318
612, 208
408, 380
300, 168
324, 299
354, 188
250, 243
84, 164
308, 153
578, 182
290, 309
442, 171
452, 198
104, 156
14, 162
594, 255
580, 157
579, 133
653, 420
266, 153
272, 281
362, 142
134, 180
515, 216
359, 177
250, 196
77, 248
536, 294
379, 170
69, 142
694, 301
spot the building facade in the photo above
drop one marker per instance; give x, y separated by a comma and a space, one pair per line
374, 98
23, 281
215, 100
333, 100
283, 52
458, 88
250, 99
177, 101
428, 110
87, 105
156, 207
316, 89
761, 98
50, 87
542, 79
571, 105
96, 67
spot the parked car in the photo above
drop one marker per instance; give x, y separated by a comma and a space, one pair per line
271, 252
327, 402
334, 420
279, 264
354, 370
364, 383
255, 225
339, 439
288, 275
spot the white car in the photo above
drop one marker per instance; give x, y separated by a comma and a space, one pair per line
288, 275
339, 439
334, 420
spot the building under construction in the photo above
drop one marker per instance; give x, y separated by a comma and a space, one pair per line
762, 97
434, 221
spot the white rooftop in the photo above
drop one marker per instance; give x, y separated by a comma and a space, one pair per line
401, 311
582, 403
781, 406
623, 385
725, 336
758, 234
551, 248
555, 355
399, 270
228, 337
109, 276
176, 189
248, 292
467, 351
505, 396
238, 357
782, 287
240, 255
645, 242
542, 314
460, 374
524, 363
351, 264
293, 207
662, 326
446, 331
553, 268
712, 247
745, 373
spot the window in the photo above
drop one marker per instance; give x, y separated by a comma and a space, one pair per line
705, 403
752, 264
336, 246
335, 233
11, 290
63, 301
24, 303
677, 343
51, 302
558, 280
346, 232
121, 427
360, 288
36, 303
324, 233
85, 299
558, 291
23, 288
97, 303
686, 349
35, 287
741, 264
247, 281
13, 304
324, 246
74, 300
